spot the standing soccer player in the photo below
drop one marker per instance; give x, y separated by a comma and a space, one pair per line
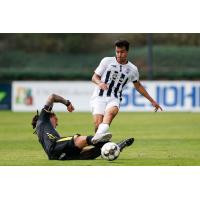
111, 77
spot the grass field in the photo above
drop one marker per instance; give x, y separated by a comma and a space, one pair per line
161, 139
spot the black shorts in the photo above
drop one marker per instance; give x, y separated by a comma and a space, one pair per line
65, 149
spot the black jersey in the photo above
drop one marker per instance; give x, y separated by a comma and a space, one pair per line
57, 147
47, 134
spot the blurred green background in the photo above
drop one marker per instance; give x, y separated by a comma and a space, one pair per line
74, 56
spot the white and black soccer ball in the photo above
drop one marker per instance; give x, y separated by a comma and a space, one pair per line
110, 151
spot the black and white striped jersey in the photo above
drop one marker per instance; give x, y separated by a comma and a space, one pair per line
116, 75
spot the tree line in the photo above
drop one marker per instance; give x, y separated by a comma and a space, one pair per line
88, 42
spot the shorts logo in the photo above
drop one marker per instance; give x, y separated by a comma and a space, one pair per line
62, 156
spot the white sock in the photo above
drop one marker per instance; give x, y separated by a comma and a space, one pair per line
103, 128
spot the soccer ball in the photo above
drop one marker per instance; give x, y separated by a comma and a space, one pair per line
110, 151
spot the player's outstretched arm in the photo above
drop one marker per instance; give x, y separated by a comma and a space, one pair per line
142, 91
53, 98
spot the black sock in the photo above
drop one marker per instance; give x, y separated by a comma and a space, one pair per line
100, 144
89, 139
121, 145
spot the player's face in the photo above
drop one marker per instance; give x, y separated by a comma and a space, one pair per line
54, 121
121, 55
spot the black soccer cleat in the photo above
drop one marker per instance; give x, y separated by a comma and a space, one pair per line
125, 143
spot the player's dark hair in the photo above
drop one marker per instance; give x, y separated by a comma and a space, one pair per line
36, 117
34, 121
122, 43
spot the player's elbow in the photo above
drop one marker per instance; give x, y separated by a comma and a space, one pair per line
51, 97
93, 78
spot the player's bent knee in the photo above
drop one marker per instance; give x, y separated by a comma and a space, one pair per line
112, 111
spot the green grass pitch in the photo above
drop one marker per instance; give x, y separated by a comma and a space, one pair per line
161, 139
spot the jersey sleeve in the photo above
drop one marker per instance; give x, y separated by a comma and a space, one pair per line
135, 76
45, 113
102, 67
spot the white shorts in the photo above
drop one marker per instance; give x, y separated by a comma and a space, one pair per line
100, 104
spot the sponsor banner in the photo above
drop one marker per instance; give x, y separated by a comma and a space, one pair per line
30, 96
5, 96
171, 95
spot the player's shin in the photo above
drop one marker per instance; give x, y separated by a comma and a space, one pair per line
102, 135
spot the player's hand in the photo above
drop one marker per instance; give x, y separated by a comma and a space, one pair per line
103, 86
70, 108
156, 106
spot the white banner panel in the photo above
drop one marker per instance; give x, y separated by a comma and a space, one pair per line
171, 95
30, 96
